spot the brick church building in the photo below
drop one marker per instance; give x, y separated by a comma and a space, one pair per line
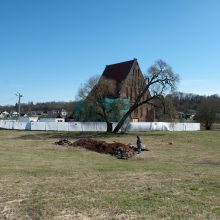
128, 79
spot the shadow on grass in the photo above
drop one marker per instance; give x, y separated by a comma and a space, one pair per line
59, 135
42, 135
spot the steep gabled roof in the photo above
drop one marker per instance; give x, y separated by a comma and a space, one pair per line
118, 71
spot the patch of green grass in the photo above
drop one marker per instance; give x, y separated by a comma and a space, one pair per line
39, 180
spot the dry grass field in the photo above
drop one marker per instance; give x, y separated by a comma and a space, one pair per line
40, 180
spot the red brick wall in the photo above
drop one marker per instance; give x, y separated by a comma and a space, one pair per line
130, 89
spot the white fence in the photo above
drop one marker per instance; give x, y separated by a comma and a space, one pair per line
97, 126
162, 126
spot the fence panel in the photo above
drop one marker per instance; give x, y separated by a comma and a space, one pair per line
38, 126
75, 126
62, 126
98, 126
51, 126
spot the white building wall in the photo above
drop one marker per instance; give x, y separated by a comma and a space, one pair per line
27, 119
52, 120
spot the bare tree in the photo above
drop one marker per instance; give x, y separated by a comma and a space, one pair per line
207, 111
93, 93
87, 87
159, 81
165, 111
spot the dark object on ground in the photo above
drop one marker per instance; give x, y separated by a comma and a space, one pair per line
63, 142
135, 148
119, 150
171, 142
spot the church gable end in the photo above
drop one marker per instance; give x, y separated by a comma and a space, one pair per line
126, 78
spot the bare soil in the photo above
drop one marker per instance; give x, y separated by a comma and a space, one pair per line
120, 150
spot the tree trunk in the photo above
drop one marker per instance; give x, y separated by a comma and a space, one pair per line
123, 119
109, 127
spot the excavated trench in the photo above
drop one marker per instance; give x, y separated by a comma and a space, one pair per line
117, 149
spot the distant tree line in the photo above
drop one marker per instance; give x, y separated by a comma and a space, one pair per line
41, 106
205, 108
187, 102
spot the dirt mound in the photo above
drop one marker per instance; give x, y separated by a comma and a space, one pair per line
121, 151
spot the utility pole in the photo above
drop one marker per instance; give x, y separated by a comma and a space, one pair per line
19, 104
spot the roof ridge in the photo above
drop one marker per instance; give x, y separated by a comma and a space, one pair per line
122, 62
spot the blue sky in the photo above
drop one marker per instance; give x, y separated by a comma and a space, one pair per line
49, 47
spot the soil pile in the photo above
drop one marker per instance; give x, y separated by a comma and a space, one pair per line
121, 151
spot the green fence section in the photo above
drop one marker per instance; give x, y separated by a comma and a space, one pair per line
89, 110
